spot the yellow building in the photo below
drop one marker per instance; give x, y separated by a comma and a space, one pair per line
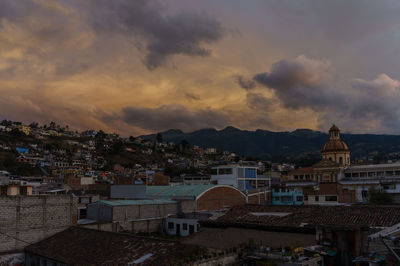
335, 156
25, 129
335, 149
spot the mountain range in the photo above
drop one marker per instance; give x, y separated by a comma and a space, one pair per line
267, 144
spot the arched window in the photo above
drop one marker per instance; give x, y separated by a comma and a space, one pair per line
341, 160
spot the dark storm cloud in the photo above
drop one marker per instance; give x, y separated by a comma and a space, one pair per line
166, 35
173, 116
300, 83
307, 83
377, 100
246, 84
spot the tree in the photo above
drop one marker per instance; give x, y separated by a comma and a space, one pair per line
379, 196
131, 138
117, 147
53, 125
6, 123
34, 124
16, 133
159, 138
184, 143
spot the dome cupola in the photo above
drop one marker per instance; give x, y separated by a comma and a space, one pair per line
336, 149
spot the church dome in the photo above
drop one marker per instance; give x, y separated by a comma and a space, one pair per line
335, 145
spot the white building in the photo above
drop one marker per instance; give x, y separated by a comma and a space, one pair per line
362, 177
242, 177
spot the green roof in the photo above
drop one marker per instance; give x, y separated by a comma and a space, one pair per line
177, 191
136, 202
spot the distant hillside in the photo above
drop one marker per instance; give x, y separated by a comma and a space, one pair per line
268, 144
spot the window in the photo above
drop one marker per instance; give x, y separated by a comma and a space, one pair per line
305, 197
379, 173
214, 171
225, 171
79, 200
250, 173
241, 172
397, 173
330, 198
340, 160
170, 225
364, 193
82, 213
389, 173
347, 175
363, 174
286, 198
277, 198
389, 186
90, 199
371, 173
316, 198
299, 198
355, 174
184, 226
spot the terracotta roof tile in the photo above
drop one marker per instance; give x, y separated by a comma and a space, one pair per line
312, 216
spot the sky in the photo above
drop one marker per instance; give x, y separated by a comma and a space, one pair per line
141, 66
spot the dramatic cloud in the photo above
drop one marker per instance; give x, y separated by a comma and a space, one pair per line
166, 35
376, 102
246, 84
300, 83
77, 62
173, 116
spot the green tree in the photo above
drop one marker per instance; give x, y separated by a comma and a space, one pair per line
184, 144
379, 196
17, 133
34, 124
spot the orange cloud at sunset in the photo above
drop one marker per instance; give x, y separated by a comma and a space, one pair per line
145, 66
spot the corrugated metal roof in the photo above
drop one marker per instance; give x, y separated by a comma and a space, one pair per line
177, 191
136, 202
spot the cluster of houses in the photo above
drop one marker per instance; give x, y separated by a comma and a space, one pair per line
228, 213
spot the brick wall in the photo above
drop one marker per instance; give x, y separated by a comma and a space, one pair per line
220, 197
33, 218
262, 197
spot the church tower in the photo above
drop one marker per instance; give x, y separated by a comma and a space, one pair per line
335, 149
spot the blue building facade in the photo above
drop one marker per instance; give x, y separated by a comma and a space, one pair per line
22, 150
287, 196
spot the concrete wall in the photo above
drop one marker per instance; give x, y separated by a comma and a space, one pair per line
148, 226
134, 212
106, 213
100, 212
33, 218
171, 226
